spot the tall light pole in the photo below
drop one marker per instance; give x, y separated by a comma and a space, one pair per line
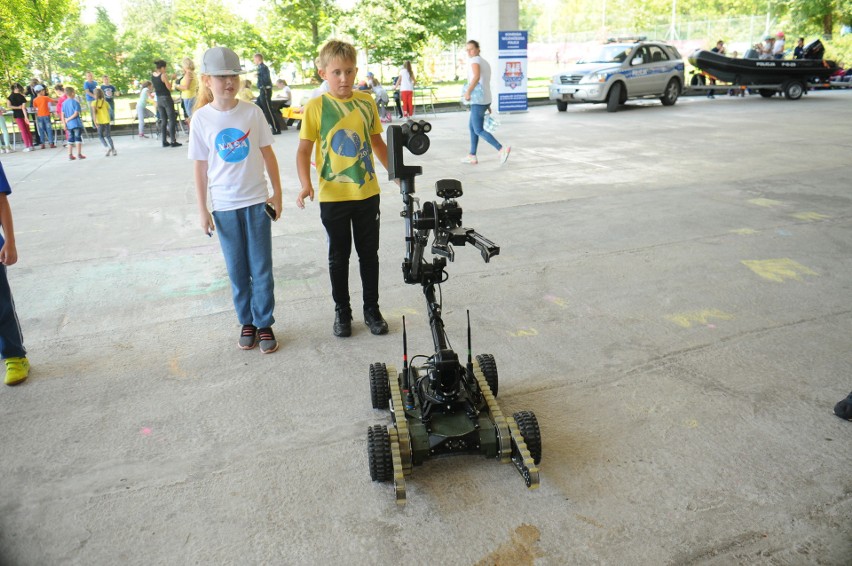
673, 29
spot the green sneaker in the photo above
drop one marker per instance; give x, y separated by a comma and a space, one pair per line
17, 370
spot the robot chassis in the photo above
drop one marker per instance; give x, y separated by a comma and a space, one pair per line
442, 407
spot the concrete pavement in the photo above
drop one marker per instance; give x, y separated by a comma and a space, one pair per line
672, 300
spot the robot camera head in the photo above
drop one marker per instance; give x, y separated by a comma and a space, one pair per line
414, 136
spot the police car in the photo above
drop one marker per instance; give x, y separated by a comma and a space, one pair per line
620, 70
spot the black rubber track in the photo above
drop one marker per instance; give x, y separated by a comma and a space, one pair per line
379, 386
528, 425
379, 453
489, 370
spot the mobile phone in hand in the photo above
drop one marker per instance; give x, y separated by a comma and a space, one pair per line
270, 211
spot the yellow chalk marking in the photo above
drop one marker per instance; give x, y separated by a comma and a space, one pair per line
524, 332
403, 311
174, 367
690, 423
589, 520
779, 270
687, 319
810, 216
744, 231
559, 302
766, 202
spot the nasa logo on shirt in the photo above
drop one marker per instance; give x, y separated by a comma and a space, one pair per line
233, 145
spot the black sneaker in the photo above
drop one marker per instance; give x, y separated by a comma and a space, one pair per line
248, 337
342, 322
374, 319
843, 409
176, 144
268, 343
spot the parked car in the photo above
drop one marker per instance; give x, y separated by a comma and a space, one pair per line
619, 71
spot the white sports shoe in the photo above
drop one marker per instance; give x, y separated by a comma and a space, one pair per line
504, 154
470, 159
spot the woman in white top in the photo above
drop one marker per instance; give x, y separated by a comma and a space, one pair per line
479, 74
405, 84
284, 92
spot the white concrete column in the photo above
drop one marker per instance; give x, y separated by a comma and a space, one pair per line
485, 18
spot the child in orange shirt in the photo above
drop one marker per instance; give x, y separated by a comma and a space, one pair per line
42, 105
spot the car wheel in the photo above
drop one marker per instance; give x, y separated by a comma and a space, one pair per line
671, 93
613, 99
794, 90
561, 105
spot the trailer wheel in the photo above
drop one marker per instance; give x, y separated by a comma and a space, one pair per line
379, 453
697, 80
379, 386
671, 93
613, 99
561, 105
794, 90
767, 92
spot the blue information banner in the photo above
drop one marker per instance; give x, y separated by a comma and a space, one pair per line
512, 69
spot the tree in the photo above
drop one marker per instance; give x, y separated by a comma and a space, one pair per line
301, 26
11, 50
98, 50
821, 15
386, 44
146, 23
38, 31
202, 24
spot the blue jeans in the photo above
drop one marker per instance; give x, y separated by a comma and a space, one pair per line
45, 130
245, 235
188, 103
477, 119
11, 339
75, 135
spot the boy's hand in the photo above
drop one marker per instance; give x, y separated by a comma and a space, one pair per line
307, 192
8, 254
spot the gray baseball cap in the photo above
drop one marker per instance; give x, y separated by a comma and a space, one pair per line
219, 61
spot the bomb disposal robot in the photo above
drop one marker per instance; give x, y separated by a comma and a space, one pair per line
442, 407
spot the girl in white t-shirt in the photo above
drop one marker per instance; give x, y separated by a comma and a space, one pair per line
479, 75
230, 142
405, 83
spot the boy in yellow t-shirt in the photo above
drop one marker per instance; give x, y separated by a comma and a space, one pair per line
345, 126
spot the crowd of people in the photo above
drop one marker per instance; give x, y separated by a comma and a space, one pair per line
40, 120
61, 110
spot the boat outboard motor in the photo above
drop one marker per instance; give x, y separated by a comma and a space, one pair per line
814, 50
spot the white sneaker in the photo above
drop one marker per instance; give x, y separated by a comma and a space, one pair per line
109, 152
470, 159
4, 150
28, 149
504, 154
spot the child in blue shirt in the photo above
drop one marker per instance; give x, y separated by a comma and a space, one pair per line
71, 110
11, 340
